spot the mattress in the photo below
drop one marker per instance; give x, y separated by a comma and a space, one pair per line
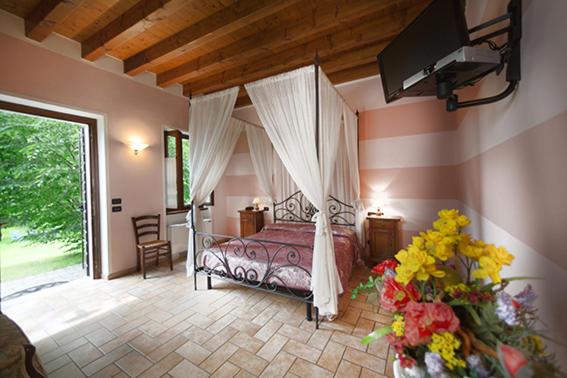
259, 257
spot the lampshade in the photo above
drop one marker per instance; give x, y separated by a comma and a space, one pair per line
138, 146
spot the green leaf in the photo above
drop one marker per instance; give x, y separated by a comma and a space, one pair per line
376, 335
473, 314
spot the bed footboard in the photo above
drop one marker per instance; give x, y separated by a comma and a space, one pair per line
264, 265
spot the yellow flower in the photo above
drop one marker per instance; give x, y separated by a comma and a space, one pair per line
463, 221
450, 221
398, 325
444, 249
458, 287
500, 254
415, 263
446, 226
445, 344
448, 214
491, 262
471, 249
488, 268
418, 241
536, 343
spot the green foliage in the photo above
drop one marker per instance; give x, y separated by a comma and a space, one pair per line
185, 152
376, 335
40, 183
370, 285
22, 259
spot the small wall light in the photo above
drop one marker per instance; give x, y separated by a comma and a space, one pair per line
138, 146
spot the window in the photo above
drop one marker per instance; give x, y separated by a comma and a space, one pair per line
178, 198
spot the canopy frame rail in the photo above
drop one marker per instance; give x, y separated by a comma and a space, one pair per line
218, 247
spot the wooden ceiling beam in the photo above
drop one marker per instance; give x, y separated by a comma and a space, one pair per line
323, 21
43, 19
354, 73
282, 63
330, 64
217, 25
134, 21
339, 77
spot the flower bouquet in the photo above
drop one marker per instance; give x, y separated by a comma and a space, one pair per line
451, 313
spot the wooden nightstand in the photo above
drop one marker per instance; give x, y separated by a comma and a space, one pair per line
383, 237
251, 222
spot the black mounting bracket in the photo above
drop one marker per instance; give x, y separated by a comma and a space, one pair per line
510, 52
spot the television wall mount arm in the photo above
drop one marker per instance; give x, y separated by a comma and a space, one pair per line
510, 52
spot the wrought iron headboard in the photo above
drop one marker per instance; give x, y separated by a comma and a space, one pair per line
297, 208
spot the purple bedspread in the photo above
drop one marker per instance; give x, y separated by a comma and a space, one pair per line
282, 265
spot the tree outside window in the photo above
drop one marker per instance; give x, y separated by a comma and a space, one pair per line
178, 197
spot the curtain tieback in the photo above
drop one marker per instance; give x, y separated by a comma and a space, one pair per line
321, 215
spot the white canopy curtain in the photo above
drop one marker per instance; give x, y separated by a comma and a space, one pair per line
341, 187
213, 136
261, 152
351, 142
286, 105
284, 184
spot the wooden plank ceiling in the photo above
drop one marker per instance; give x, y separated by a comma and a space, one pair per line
210, 45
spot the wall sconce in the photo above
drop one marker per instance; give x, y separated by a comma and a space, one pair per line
138, 146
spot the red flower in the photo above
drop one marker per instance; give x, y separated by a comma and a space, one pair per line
397, 342
386, 264
424, 319
406, 361
395, 296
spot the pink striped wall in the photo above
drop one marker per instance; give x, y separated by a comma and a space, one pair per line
431, 186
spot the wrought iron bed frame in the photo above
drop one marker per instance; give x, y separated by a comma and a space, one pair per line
297, 209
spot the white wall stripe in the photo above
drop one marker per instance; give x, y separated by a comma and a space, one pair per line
541, 93
422, 150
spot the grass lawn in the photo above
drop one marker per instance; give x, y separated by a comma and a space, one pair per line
21, 259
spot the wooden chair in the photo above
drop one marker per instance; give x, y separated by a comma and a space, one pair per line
148, 243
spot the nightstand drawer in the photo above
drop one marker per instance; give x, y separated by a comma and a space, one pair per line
383, 224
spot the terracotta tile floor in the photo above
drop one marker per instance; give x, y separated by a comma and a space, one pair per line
163, 327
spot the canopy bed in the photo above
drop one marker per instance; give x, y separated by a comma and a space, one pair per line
309, 251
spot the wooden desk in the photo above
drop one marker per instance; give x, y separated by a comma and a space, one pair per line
251, 222
383, 237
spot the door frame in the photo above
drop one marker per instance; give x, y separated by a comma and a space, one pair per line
91, 124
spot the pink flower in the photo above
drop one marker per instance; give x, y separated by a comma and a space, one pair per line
512, 359
424, 319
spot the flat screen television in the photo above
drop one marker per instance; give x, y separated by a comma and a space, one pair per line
438, 31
